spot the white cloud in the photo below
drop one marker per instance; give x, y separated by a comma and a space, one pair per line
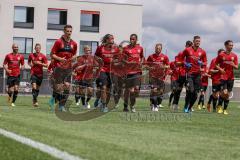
173, 22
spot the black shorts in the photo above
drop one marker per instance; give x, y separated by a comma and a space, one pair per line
203, 88
227, 84
133, 80
216, 88
118, 82
174, 85
12, 81
181, 81
156, 83
194, 83
104, 79
61, 75
84, 83
36, 79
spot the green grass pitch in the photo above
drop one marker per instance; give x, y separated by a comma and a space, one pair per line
117, 135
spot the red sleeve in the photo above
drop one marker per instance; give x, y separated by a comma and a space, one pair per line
183, 55
75, 49
98, 51
55, 47
30, 58
141, 54
5, 60
22, 60
212, 65
167, 60
219, 59
235, 60
204, 59
45, 61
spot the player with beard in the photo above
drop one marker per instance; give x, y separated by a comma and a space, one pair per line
226, 62
13, 63
216, 84
158, 63
134, 60
196, 60
37, 61
106, 52
63, 53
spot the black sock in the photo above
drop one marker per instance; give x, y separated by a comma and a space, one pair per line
34, 94
83, 99
200, 99
15, 93
210, 99
171, 97
176, 97
220, 101
77, 97
214, 103
159, 100
226, 102
37, 93
88, 99
154, 100
193, 98
132, 99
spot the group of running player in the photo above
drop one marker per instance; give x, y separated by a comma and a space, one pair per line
117, 70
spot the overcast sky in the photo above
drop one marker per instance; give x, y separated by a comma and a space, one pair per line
172, 22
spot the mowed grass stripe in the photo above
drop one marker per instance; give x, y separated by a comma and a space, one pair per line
208, 136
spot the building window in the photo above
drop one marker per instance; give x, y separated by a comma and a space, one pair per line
57, 18
89, 21
49, 45
25, 45
23, 17
92, 44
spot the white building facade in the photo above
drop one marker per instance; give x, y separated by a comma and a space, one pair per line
27, 22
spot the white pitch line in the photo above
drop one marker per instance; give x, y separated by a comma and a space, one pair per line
40, 146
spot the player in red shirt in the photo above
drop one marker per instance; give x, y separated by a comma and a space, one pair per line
63, 53
118, 70
195, 60
158, 63
86, 70
226, 62
106, 52
37, 61
134, 59
216, 84
204, 85
11, 64
182, 80
174, 72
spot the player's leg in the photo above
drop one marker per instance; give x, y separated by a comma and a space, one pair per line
89, 95
154, 95
161, 88
230, 84
16, 82
177, 93
98, 93
221, 96
194, 84
10, 91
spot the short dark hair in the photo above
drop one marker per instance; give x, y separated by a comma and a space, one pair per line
134, 35
189, 43
37, 44
220, 50
227, 42
67, 26
196, 37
